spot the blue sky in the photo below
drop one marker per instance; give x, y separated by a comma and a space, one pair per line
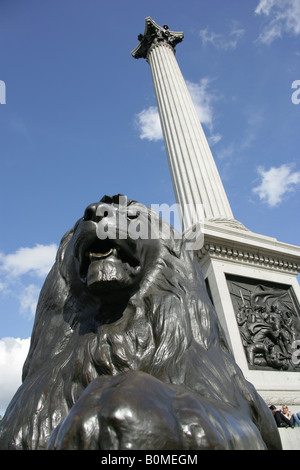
78, 120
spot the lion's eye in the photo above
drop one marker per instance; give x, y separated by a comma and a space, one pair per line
88, 214
133, 215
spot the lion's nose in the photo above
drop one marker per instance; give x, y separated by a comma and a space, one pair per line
97, 211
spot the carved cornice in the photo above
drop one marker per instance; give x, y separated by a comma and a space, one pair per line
233, 223
247, 257
155, 35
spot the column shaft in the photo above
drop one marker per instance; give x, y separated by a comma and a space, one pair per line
194, 173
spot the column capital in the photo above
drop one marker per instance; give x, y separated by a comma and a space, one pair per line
155, 34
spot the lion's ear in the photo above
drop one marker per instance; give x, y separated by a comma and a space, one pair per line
175, 247
178, 247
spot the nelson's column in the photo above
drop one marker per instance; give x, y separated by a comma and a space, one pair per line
251, 278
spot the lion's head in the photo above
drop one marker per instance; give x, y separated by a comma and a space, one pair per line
124, 294
115, 245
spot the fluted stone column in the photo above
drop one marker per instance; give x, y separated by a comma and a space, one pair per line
194, 173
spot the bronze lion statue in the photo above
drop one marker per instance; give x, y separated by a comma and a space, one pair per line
127, 351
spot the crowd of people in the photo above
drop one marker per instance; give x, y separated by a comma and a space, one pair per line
285, 418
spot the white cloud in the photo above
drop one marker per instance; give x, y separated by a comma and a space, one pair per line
28, 299
283, 17
231, 153
148, 121
15, 283
202, 100
221, 41
149, 124
14, 268
18, 125
276, 183
37, 260
13, 352
214, 139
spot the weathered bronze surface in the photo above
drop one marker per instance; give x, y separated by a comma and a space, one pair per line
127, 351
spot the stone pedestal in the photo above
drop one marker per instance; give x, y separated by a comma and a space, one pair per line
290, 438
252, 281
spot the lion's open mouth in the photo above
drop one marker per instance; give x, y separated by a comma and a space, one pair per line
108, 261
97, 256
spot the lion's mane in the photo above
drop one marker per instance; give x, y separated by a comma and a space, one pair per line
168, 329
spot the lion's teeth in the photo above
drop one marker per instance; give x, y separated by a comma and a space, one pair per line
101, 255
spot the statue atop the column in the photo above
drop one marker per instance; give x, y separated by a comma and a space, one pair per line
126, 350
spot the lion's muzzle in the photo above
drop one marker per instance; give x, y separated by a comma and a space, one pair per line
106, 254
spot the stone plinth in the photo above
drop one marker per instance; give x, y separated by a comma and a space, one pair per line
290, 438
252, 275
